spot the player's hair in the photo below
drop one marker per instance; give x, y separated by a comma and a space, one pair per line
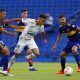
43, 16
61, 16
23, 10
1, 10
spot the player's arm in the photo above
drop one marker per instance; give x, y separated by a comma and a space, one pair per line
43, 36
2, 30
20, 29
57, 41
12, 20
11, 26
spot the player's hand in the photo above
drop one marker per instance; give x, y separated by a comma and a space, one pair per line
54, 47
45, 41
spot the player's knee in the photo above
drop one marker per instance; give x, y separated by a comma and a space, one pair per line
17, 51
7, 52
28, 51
74, 49
36, 52
63, 55
16, 55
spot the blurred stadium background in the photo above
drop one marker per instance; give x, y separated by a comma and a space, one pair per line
71, 9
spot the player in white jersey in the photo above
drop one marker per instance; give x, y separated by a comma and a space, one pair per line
22, 25
27, 38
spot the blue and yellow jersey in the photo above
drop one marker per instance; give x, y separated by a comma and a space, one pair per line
20, 24
70, 31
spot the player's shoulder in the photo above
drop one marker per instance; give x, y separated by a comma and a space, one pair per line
30, 20
71, 25
42, 26
60, 26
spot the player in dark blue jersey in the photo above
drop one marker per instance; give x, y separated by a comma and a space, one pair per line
73, 34
4, 51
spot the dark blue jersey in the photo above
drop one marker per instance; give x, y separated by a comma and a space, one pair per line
2, 25
20, 24
70, 31
19, 33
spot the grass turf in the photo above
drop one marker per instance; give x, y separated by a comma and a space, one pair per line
46, 71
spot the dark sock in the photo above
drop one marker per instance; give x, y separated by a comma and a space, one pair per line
63, 60
77, 58
1, 61
5, 62
30, 62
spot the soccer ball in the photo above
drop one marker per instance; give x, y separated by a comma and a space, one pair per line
68, 71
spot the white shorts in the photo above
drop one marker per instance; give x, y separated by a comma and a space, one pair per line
30, 43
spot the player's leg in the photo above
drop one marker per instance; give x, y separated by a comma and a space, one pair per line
35, 52
65, 51
21, 44
63, 61
28, 51
1, 60
77, 56
4, 58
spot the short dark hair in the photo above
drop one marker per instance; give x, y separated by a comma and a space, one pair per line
23, 10
61, 16
43, 16
1, 10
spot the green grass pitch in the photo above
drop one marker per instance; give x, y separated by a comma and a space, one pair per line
46, 71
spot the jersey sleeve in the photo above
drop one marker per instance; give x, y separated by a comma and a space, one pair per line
74, 27
24, 20
42, 28
27, 20
7, 25
60, 29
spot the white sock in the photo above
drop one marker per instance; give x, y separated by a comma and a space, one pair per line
32, 55
12, 61
1, 68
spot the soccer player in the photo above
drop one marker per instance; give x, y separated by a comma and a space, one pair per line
4, 51
21, 25
27, 38
73, 34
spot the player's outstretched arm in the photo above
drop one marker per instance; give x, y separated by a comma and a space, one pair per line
12, 20
2, 30
57, 41
43, 36
14, 27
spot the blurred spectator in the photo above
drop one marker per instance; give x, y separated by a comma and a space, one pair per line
49, 21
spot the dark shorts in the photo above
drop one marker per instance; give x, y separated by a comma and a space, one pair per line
1, 45
68, 48
26, 48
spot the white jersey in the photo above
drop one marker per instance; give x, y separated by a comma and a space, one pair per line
31, 28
